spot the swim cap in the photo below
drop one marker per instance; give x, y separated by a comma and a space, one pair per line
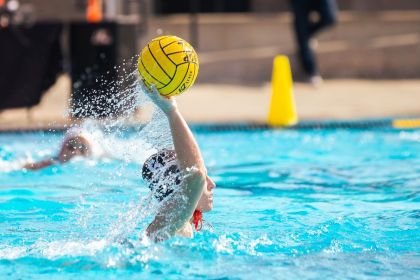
162, 173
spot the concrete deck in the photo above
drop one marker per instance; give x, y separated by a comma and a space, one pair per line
209, 103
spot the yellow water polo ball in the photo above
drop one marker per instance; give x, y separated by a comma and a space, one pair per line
170, 63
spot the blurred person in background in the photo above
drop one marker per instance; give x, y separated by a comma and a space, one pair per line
76, 143
311, 16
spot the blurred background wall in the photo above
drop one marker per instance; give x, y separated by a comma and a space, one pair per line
73, 9
237, 39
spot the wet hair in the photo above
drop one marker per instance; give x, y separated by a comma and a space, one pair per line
161, 173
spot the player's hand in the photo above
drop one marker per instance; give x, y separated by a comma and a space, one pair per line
166, 104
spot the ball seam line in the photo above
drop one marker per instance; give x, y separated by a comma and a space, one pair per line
163, 51
159, 38
184, 51
157, 62
186, 72
167, 45
187, 63
144, 66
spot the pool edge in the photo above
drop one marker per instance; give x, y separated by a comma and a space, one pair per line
391, 123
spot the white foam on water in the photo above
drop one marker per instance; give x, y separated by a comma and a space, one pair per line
111, 140
411, 136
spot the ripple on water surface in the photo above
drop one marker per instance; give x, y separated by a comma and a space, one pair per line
288, 204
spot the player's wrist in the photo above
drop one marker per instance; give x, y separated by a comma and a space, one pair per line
168, 105
172, 111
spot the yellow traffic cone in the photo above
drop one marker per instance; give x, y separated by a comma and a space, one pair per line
282, 106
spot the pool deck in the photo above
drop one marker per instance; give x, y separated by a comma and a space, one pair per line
219, 103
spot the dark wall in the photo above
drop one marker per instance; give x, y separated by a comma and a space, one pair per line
75, 9
347, 5
206, 6
375, 5
209, 6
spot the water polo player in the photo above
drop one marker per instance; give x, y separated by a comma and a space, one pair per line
76, 143
178, 179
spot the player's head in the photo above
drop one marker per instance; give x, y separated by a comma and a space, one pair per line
162, 174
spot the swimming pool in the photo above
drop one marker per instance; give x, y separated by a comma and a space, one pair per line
331, 203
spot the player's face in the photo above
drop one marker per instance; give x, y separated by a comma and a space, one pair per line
205, 204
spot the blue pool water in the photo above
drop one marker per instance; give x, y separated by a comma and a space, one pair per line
300, 204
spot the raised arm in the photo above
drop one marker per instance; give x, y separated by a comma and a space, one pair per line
186, 147
176, 212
